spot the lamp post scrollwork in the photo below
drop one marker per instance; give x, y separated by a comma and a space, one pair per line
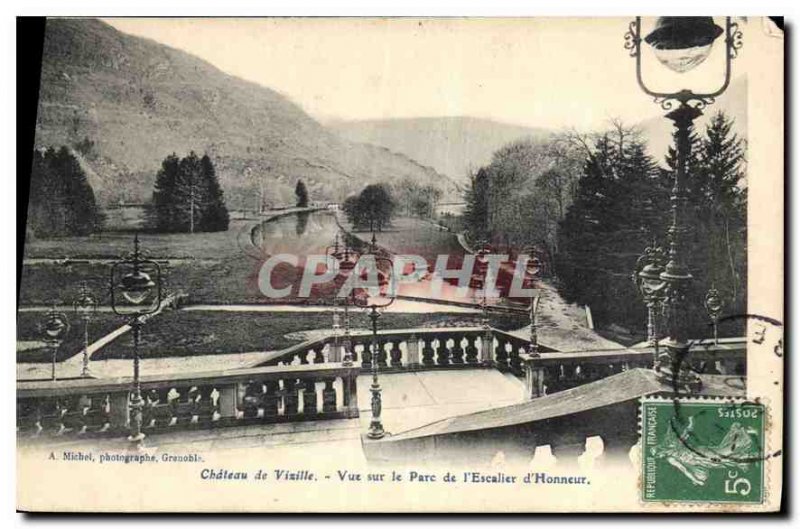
681, 44
54, 327
376, 305
140, 297
85, 307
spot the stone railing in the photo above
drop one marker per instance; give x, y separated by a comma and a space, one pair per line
552, 372
402, 350
185, 401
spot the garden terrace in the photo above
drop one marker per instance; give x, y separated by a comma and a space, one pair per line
309, 382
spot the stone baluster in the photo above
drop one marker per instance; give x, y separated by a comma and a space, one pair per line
319, 356
252, 400
457, 353
366, 357
28, 416
381, 353
328, 397
150, 398
270, 399
396, 354
412, 351
552, 379
52, 412
471, 350
427, 351
354, 351
501, 355
159, 408
567, 450
514, 361
442, 351
309, 397
98, 414
74, 410
204, 405
290, 397
183, 406
617, 447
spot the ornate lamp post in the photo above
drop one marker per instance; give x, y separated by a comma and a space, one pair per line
651, 286
85, 306
713, 303
346, 265
532, 269
54, 327
681, 44
141, 296
375, 307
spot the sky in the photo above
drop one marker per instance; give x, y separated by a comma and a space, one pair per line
544, 72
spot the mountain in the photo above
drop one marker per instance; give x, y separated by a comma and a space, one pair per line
124, 103
454, 145
451, 145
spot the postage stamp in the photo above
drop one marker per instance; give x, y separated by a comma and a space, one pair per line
702, 451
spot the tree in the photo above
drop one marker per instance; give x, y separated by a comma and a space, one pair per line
62, 201
417, 199
214, 215
718, 215
187, 196
519, 198
623, 204
374, 207
615, 214
301, 193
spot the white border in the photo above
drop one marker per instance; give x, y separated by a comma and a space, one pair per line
316, 8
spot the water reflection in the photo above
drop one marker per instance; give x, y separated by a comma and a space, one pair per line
302, 223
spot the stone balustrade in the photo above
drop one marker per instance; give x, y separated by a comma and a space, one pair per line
184, 401
549, 373
402, 350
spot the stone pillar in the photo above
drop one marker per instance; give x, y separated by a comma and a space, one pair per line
534, 377
228, 396
349, 394
119, 415
336, 351
487, 349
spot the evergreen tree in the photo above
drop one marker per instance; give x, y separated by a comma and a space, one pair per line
301, 193
215, 215
718, 208
614, 215
61, 200
623, 204
187, 196
476, 213
164, 211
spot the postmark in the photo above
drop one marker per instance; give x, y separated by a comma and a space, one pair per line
712, 452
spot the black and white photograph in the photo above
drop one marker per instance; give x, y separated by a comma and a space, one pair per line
377, 264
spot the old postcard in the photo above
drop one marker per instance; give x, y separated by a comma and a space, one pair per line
403, 265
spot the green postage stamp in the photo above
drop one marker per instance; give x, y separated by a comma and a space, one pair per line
702, 451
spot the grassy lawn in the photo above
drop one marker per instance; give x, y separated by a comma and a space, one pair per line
158, 245
29, 330
187, 333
